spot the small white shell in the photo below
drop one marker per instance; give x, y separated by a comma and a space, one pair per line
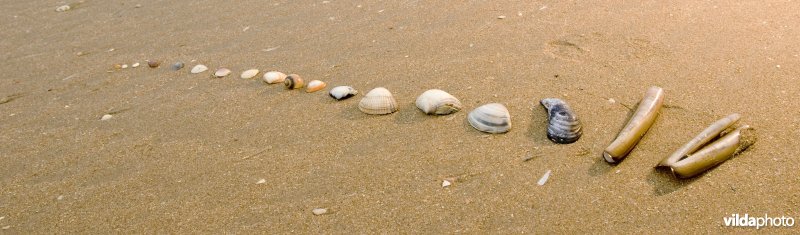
315, 85
222, 72
343, 92
199, 69
273, 77
135, 65
378, 101
490, 118
438, 102
63, 8
249, 74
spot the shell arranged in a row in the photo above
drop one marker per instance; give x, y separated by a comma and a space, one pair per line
343, 92
490, 118
293, 81
315, 85
378, 101
563, 126
273, 77
438, 102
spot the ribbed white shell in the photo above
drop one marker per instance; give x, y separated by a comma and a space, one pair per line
378, 101
438, 102
490, 118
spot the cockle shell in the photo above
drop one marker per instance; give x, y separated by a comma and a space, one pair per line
222, 72
199, 69
563, 126
315, 85
153, 63
293, 81
438, 102
273, 77
490, 118
251, 73
378, 101
342, 92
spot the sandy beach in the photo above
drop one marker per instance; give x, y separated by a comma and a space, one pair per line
188, 153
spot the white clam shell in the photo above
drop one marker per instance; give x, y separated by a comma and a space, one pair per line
199, 69
378, 101
273, 77
222, 72
251, 73
343, 92
438, 102
315, 85
490, 118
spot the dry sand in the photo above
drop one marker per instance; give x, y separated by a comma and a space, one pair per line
183, 153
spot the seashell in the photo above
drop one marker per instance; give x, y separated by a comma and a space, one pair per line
63, 8
222, 72
342, 92
293, 81
153, 64
490, 118
199, 69
124, 66
177, 66
315, 85
134, 65
637, 126
378, 101
273, 77
249, 74
438, 102
563, 126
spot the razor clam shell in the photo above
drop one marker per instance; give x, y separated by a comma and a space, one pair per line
438, 102
343, 92
563, 126
490, 118
273, 77
378, 101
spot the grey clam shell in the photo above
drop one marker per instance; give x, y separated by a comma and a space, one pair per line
563, 126
343, 92
378, 101
490, 118
438, 102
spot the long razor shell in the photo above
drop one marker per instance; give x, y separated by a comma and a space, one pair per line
637, 126
715, 153
563, 126
701, 139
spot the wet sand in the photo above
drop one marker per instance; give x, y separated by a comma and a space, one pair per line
183, 153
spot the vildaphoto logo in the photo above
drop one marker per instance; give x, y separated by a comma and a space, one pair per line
735, 220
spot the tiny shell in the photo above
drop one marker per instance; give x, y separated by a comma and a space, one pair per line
438, 102
273, 77
293, 81
343, 92
315, 85
153, 64
490, 118
222, 72
378, 101
135, 65
251, 73
563, 125
124, 66
319, 211
106, 117
63, 8
177, 66
199, 69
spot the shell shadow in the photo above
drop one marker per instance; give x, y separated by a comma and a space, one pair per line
600, 167
409, 114
664, 182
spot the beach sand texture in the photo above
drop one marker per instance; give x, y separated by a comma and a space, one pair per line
186, 153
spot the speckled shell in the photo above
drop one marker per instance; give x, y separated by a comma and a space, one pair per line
343, 92
293, 81
378, 101
273, 77
438, 102
490, 118
563, 126
315, 85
